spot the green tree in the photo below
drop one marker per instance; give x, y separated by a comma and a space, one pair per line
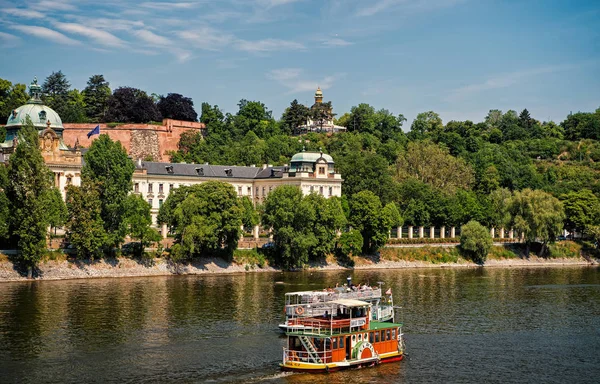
426, 124
85, 228
290, 217
329, 218
138, 222
57, 210
433, 165
56, 89
75, 109
475, 241
4, 205
367, 217
582, 210
538, 215
11, 97
321, 113
108, 167
29, 181
207, 220
293, 117
350, 243
95, 97
250, 216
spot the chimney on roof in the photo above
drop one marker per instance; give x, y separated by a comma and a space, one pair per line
139, 163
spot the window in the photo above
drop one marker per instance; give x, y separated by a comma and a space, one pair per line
136, 187
171, 187
376, 336
149, 187
320, 190
263, 191
382, 335
256, 191
312, 188
393, 334
321, 170
69, 180
342, 342
160, 203
249, 191
160, 188
387, 335
334, 342
239, 191
371, 337
330, 191
270, 188
150, 202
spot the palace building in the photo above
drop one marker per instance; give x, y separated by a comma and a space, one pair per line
312, 172
324, 125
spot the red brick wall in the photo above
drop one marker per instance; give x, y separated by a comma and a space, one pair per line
167, 134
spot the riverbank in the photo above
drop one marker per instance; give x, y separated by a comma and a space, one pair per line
389, 258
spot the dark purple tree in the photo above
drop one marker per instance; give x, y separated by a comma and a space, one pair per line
178, 107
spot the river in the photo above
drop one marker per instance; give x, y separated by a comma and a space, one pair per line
492, 325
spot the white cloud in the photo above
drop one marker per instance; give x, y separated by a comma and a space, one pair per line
407, 5
292, 79
376, 7
152, 38
7, 40
335, 42
25, 13
164, 6
206, 38
57, 5
46, 33
504, 81
275, 3
98, 35
268, 45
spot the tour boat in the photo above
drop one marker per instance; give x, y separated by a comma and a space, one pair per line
297, 303
343, 335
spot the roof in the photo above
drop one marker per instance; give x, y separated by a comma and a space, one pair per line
38, 113
350, 303
311, 157
210, 171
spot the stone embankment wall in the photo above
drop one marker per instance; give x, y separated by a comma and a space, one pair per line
140, 140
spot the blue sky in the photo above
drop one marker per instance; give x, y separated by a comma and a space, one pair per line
459, 58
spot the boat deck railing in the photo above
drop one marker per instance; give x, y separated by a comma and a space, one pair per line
306, 357
336, 294
325, 326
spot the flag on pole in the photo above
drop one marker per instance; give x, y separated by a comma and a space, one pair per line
95, 131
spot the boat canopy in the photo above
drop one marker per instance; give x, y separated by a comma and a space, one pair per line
350, 303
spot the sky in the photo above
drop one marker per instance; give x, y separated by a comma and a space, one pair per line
459, 58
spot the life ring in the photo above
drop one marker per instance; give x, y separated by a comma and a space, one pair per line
300, 311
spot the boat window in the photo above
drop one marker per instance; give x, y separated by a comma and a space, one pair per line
387, 335
377, 336
341, 342
393, 334
371, 337
353, 337
327, 344
334, 342
382, 335
360, 337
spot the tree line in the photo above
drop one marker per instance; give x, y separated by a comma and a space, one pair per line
97, 215
97, 102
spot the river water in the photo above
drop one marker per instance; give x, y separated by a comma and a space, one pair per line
513, 325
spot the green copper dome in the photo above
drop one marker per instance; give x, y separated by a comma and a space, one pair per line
39, 114
310, 157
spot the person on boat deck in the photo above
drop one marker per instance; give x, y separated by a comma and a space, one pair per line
326, 314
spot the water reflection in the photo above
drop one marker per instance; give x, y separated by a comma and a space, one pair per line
492, 325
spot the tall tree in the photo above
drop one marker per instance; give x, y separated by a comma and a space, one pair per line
138, 222
538, 216
426, 124
131, 105
291, 217
95, 97
475, 241
108, 167
293, 117
11, 97
367, 217
56, 89
85, 228
57, 211
74, 111
582, 209
207, 220
321, 113
178, 107
28, 186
